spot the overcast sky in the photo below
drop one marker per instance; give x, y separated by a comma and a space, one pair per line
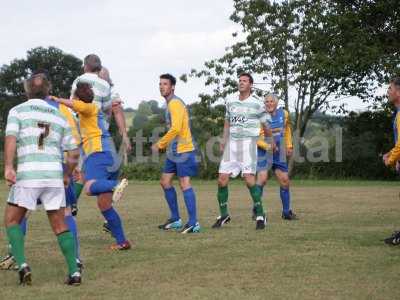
136, 40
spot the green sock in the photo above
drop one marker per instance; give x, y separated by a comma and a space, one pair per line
67, 245
78, 189
16, 239
223, 200
255, 193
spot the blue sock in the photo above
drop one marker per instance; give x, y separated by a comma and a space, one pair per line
285, 197
261, 188
170, 196
71, 223
102, 186
23, 224
190, 201
115, 224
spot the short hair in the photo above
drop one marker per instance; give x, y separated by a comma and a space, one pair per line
92, 63
45, 72
84, 92
169, 77
396, 81
273, 96
248, 75
37, 86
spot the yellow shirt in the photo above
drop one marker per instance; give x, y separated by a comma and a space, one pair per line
65, 111
179, 134
394, 154
95, 138
277, 126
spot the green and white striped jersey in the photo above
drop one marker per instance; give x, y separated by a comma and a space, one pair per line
102, 93
245, 117
42, 133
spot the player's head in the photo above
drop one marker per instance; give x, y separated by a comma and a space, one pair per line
42, 71
271, 102
37, 86
92, 63
105, 75
245, 83
84, 92
393, 92
167, 85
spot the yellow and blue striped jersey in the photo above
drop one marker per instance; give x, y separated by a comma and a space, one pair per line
179, 135
281, 129
95, 136
394, 154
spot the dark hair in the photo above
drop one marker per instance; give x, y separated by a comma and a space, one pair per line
248, 76
396, 81
171, 78
37, 86
45, 72
84, 92
92, 63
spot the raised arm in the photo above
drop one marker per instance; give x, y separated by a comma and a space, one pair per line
67, 102
119, 116
78, 105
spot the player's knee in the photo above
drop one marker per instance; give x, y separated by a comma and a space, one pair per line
261, 180
104, 205
223, 181
165, 183
10, 220
87, 186
184, 184
285, 182
57, 222
13, 216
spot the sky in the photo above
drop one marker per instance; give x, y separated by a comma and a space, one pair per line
136, 40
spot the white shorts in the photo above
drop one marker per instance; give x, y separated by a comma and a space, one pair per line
240, 156
52, 198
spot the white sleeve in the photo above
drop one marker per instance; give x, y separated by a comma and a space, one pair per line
73, 88
13, 123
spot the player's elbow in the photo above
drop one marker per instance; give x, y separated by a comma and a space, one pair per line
117, 109
174, 131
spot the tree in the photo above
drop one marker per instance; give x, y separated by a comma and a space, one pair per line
139, 121
206, 122
144, 109
155, 109
310, 52
62, 68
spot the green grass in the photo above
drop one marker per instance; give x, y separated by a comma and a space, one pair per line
333, 252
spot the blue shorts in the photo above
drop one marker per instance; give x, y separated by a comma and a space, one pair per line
264, 160
181, 164
101, 165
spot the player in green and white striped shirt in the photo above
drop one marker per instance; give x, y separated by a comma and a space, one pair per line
39, 133
244, 116
101, 88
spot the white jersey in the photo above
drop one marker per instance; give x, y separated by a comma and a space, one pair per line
42, 134
102, 93
114, 94
245, 117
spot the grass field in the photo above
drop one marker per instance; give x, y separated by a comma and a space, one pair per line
333, 252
